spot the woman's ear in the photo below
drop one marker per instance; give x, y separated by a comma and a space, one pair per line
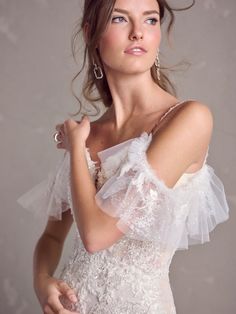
86, 30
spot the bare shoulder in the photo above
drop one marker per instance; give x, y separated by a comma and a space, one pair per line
196, 112
191, 117
199, 119
181, 142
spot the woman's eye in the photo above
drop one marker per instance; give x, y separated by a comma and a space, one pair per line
118, 19
152, 21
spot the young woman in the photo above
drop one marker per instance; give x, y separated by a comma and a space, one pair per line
135, 182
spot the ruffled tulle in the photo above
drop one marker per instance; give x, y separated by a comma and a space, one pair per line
51, 197
149, 210
207, 208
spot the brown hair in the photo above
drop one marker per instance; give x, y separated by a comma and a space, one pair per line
97, 15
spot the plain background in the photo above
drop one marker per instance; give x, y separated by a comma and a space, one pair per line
35, 72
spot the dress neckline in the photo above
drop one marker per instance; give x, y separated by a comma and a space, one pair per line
144, 132
124, 142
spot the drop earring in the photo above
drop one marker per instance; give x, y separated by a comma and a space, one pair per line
157, 65
97, 71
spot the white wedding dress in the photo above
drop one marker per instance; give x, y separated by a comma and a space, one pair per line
132, 276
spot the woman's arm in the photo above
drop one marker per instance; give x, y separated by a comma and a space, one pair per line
47, 255
93, 224
49, 246
181, 143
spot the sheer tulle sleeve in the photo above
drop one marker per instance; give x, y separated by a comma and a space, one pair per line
207, 208
51, 197
150, 211
147, 209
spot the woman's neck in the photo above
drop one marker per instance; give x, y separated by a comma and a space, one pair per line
133, 95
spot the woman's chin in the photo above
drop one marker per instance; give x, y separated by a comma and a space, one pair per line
129, 70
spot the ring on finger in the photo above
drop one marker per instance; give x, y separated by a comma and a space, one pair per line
56, 137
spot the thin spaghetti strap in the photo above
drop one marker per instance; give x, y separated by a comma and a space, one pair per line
172, 107
169, 110
207, 153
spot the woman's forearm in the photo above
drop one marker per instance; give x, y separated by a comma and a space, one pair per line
47, 255
89, 218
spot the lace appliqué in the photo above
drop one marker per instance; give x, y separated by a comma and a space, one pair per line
129, 277
109, 167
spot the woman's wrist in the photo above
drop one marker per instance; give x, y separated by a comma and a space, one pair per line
39, 285
77, 146
39, 279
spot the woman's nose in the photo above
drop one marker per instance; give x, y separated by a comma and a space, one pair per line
136, 33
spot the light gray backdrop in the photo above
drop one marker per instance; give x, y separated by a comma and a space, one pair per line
36, 69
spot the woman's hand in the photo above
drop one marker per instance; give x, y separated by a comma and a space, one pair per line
73, 132
53, 294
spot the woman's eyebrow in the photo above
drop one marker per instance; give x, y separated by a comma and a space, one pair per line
144, 13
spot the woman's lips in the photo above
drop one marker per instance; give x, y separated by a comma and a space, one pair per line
137, 51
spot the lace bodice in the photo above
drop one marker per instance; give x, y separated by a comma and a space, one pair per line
131, 276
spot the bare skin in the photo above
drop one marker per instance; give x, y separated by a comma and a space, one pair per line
49, 289
102, 135
138, 104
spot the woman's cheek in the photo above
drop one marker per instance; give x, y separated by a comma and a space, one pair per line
110, 40
109, 46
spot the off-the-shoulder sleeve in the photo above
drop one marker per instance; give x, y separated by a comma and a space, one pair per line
51, 197
148, 210
207, 208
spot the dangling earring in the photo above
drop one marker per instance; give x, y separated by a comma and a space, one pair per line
97, 71
157, 65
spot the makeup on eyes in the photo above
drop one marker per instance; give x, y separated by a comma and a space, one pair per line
122, 18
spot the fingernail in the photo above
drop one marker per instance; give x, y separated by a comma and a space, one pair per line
73, 298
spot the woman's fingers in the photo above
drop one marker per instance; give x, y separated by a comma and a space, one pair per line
54, 303
69, 123
67, 291
55, 306
61, 131
60, 136
69, 131
61, 145
60, 127
48, 310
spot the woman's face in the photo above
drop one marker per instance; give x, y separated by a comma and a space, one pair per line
132, 37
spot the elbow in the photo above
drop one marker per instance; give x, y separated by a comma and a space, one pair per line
90, 248
90, 244
100, 235
95, 244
